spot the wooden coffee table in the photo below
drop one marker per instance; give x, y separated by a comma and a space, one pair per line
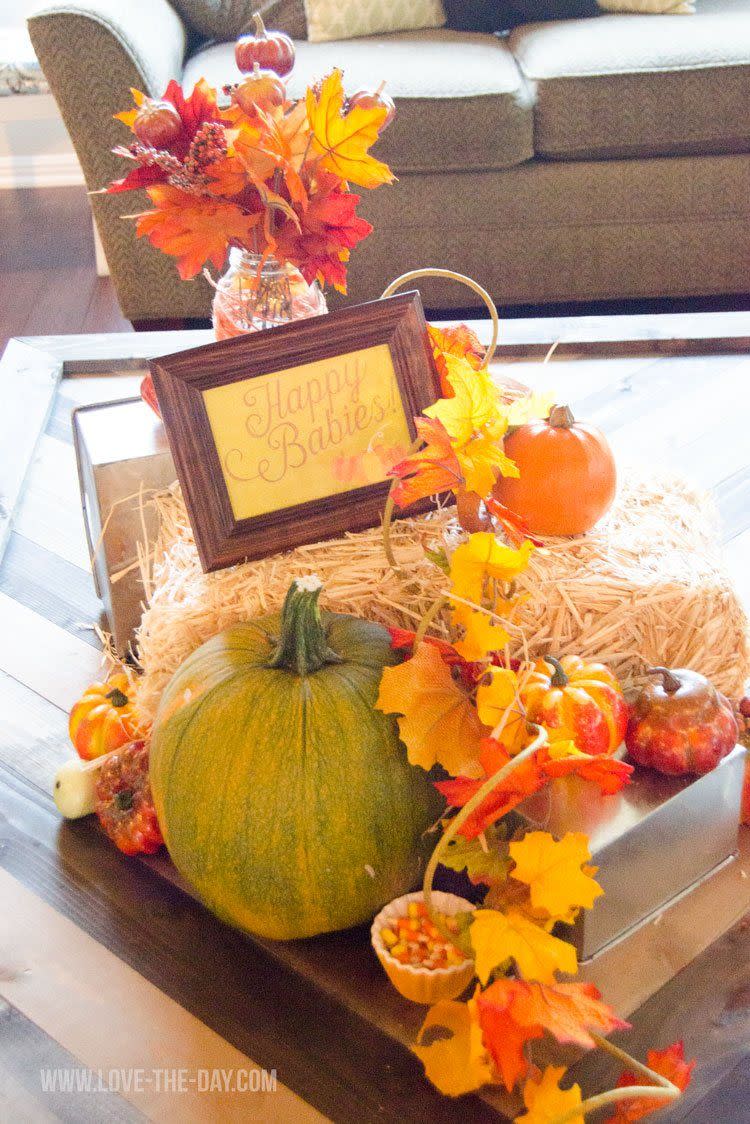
108, 968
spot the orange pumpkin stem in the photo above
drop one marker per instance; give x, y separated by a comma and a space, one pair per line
559, 679
260, 27
561, 417
669, 682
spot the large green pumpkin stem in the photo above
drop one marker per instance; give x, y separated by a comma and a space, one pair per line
303, 646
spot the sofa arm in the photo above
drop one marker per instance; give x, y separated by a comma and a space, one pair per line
92, 52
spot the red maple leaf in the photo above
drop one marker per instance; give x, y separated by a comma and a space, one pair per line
194, 111
329, 228
142, 175
670, 1063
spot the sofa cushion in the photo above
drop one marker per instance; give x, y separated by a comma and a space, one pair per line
500, 15
640, 85
348, 19
462, 103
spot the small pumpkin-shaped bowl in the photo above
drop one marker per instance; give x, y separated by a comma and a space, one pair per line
422, 985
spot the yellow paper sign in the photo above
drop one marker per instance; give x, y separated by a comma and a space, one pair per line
308, 432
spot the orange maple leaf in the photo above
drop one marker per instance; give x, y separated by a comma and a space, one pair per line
504, 1039
514, 526
128, 116
609, 774
513, 1012
670, 1063
525, 780
194, 231
226, 176
343, 139
438, 723
528, 778
433, 469
455, 340
274, 140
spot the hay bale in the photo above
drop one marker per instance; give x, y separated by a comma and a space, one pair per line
646, 586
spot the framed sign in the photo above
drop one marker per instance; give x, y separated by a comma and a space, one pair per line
285, 436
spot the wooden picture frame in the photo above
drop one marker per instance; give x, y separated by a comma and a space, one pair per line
226, 443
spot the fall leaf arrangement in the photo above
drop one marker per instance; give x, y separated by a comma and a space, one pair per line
260, 171
496, 732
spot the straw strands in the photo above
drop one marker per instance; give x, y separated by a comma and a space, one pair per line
647, 586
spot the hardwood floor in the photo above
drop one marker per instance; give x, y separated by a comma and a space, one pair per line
48, 280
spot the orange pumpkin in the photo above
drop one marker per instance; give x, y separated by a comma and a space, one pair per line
577, 701
568, 477
103, 718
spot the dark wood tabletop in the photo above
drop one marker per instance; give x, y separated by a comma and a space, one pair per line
109, 969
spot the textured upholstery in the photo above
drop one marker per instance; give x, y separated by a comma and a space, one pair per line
585, 230
462, 103
632, 85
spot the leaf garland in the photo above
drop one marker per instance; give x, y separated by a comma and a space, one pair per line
533, 880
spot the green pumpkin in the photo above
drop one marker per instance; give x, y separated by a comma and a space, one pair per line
285, 798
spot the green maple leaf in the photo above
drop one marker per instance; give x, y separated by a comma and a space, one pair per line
488, 866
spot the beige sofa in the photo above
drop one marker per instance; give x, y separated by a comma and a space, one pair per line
572, 161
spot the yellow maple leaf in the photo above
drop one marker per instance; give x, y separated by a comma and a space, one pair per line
438, 723
481, 635
474, 403
128, 116
553, 871
484, 556
342, 139
481, 459
545, 1100
455, 1060
497, 937
498, 702
531, 406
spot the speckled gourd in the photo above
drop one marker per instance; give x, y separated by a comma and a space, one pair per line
285, 799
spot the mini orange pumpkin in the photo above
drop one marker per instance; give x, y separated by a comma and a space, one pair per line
568, 476
577, 701
103, 718
260, 89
